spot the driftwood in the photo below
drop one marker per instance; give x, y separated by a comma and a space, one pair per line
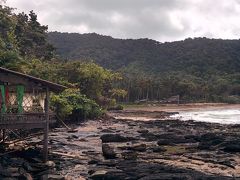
63, 123
70, 130
68, 155
26, 138
64, 154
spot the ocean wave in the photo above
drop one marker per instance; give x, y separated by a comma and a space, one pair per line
229, 116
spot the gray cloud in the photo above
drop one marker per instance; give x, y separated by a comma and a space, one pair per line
163, 20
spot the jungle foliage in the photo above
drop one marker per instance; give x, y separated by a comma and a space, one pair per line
24, 47
199, 70
106, 70
75, 106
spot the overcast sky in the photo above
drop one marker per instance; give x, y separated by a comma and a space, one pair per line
162, 20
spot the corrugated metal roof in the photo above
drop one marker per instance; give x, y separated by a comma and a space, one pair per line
52, 86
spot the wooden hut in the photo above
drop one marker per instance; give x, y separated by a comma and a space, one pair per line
24, 103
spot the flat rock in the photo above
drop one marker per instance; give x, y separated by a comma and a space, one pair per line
55, 177
98, 175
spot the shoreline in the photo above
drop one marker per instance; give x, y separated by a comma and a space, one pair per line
154, 149
124, 149
183, 107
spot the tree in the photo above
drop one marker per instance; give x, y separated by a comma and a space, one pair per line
32, 37
9, 56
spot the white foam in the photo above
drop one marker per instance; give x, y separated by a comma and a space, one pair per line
228, 116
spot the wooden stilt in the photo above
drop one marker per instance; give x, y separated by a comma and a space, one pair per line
46, 128
3, 135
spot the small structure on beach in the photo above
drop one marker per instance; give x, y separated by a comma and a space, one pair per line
24, 103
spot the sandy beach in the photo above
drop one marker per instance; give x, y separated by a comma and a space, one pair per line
184, 107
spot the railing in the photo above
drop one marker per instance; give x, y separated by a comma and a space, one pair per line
25, 120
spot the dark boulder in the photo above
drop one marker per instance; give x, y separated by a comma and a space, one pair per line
108, 151
232, 148
164, 142
149, 136
170, 138
129, 155
143, 131
114, 138
158, 149
208, 141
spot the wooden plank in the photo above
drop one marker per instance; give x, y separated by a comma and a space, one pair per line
46, 128
25, 118
23, 126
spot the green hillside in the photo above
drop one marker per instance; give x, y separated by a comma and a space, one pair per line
196, 69
198, 55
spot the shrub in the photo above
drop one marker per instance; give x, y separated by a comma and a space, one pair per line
73, 105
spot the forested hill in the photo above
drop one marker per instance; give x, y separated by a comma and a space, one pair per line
199, 56
197, 69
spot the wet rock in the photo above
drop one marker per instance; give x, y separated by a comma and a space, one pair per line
109, 163
167, 176
107, 131
83, 140
194, 138
93, 161
72, 137
72, 131
50, 164
132, 124
98, 175
208, 141
27, 166
227, 163
55, 177
205, 146
108, 175
143, 131
164, 142
9, 172
158, 149
232, 148
211, 137
114, 138
139, 147
171, 139
129, 155
24, 174
149, 136
43, 174
108, 151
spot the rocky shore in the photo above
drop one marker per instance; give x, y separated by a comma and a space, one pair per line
126, 149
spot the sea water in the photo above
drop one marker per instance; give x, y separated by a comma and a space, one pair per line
227, 116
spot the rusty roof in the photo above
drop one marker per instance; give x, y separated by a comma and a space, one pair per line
51, 85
